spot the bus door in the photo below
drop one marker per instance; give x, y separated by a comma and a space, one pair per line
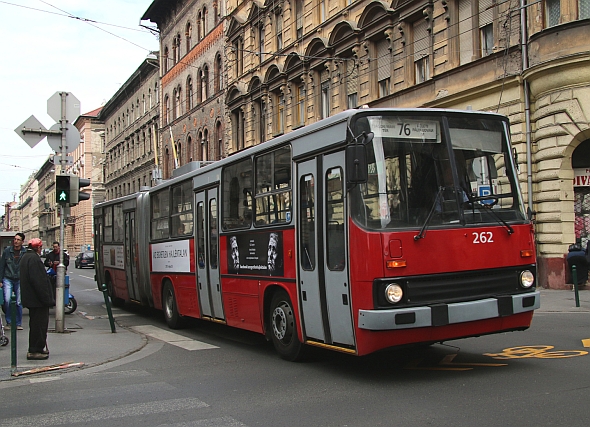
131, 258
207, 254
323, 254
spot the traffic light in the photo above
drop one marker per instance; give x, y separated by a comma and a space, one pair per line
76, 195
62, 189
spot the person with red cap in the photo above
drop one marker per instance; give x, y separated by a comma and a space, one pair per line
37, 296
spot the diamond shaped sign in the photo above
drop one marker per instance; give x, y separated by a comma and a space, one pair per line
31, 138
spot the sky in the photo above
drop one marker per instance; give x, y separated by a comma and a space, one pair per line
49, 47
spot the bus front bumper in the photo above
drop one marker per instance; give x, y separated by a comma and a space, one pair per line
446, 314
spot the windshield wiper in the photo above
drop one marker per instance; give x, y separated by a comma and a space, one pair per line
489, 209
437, 200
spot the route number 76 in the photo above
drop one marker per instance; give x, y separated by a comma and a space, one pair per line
483, 237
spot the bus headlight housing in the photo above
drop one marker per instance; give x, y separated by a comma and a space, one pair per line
527, 278
393, 293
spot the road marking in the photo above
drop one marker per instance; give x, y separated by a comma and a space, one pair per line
172, 338
89, 415
586, 342
213, 422
537, 352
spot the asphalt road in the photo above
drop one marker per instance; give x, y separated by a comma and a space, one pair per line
215, 376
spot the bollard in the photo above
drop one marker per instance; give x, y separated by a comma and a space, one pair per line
575, 277
13, 334
108, 304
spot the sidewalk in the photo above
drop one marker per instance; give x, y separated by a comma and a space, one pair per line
86, 340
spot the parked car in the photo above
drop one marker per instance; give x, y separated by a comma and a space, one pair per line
84, 259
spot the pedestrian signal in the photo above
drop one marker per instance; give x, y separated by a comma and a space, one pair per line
62, 189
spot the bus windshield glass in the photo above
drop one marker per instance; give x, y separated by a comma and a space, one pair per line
445, 170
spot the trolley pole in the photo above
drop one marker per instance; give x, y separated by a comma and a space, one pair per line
61, 268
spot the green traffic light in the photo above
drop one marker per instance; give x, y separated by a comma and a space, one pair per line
63, 196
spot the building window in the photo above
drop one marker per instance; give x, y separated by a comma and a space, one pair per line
200, 26
487, 39
322, 10
218, 74
298, 18
239, 55
325, 100
552, 12
189, 93
205, 83
238, 132
279, 113
188, 35
421, 47
300, 105
261, 41
351, 84
259, 120
465, 32
205, 146
166, 109
383, 67
279, 26
205, 19
583, 9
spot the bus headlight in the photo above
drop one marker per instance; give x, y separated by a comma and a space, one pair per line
527, 279
394, 293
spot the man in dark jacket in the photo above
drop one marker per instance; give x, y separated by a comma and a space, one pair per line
37, 296
10, 278
52, 258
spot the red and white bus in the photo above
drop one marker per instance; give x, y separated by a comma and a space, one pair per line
370, 229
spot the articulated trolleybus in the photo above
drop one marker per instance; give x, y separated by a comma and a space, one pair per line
370, 229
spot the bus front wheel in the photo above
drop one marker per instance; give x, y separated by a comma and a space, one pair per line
284, 331
173, 318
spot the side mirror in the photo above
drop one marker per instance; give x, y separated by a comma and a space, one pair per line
356, 164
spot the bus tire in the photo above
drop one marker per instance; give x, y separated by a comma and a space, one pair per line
283, 328
173, 318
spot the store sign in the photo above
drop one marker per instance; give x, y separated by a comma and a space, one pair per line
582, 177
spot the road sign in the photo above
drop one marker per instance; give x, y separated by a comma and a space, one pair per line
72, 138
72, 107
31, 138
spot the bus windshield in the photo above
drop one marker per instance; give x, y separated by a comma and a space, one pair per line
438, 170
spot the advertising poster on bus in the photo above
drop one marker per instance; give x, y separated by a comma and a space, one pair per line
256, 254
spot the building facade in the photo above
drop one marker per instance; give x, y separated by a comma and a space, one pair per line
192, 80
28, 209
87, 158
131, 147
49, 211
291, 63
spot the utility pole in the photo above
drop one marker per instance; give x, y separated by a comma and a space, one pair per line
63, 138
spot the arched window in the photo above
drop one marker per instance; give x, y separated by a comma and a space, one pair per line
205, 145
189, 149
188, 35
219, 139
178, 101
218, 74
189, 94
166, 109
199, 86
205, 19
205, 82
165, 59
200, 26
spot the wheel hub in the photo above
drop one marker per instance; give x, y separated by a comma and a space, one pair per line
279, 323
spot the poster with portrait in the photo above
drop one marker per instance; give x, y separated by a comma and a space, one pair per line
259, 254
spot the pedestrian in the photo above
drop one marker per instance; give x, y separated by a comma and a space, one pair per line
38, 298
10, 278
52, 258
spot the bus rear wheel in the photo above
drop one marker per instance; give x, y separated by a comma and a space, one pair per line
283, 329
173, 318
